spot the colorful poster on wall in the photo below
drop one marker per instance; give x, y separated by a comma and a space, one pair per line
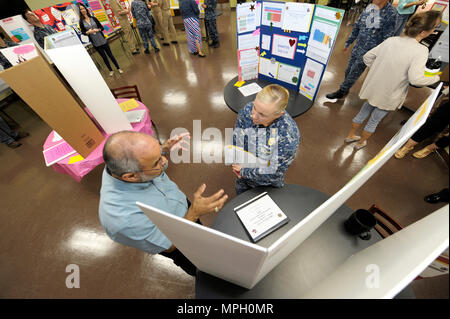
110, 14
17, 29
19, 35
310, 78
70, 17
126, 5
100, 14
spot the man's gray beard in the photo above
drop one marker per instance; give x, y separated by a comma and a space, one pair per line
146, 178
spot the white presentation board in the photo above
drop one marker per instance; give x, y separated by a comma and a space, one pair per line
77, 67
387, 267
216, 253
219, 254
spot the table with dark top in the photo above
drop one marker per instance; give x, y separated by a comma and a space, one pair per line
235, 100
312, 261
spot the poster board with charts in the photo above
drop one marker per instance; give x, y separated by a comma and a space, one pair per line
293, 38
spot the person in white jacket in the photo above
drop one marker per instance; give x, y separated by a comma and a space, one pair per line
394, 64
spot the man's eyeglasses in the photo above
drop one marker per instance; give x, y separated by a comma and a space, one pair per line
158, 165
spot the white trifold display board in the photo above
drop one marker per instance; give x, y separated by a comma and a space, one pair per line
245, 264
79, 70
382, 270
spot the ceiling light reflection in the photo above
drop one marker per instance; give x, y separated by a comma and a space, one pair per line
91, 242
174, 98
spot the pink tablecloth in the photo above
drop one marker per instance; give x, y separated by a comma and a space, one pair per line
79, 169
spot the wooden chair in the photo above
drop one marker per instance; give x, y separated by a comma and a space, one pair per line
132, 92
386, 225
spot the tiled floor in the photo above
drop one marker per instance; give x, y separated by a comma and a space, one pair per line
49, 221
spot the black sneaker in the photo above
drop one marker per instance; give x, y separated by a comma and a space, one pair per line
135, 52
174, 42
21, 134
156, 49
14, 144
336, 95
147, 51
166, 44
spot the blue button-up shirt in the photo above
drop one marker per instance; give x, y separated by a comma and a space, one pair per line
275, 144
373, 27
123, 220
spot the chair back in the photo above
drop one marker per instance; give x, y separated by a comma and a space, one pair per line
127, 92
386, 225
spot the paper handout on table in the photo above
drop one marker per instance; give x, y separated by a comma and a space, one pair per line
250, 89
128, 105
261, 216
57, 153
135, 116
237, 155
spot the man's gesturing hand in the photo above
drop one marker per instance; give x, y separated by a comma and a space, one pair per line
204, 205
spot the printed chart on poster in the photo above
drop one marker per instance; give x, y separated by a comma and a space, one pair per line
294, 42
248, 20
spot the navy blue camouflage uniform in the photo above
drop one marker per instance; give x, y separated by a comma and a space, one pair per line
141, 13
371, 29
211, 20
40, 33
276, 144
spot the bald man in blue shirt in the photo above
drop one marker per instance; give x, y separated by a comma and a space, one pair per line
135, 171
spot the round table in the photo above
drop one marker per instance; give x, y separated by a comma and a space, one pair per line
317, 257
235, 100
80, 168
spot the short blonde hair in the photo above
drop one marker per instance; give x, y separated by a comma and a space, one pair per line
274, 93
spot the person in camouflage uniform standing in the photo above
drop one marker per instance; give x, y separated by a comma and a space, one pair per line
155, 7
210, 21
121, 15
376, 24
140, 12
167, 23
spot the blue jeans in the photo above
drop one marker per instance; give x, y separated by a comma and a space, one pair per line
376, 115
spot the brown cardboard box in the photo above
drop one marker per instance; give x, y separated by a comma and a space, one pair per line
37, 84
